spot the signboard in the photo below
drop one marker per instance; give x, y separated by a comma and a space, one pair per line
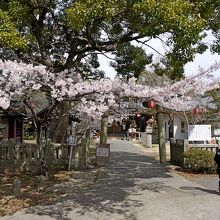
199, 132
103, 154
71, 140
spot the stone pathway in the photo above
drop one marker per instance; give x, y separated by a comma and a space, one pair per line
134, 187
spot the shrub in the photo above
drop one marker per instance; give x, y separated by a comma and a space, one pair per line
199, 161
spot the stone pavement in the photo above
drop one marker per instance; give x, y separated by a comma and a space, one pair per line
134, 187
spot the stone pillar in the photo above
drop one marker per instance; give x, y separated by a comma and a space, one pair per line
17, 186
85, 151
77, 155
104, 129
148, 142
161, 135
11, 153
41, 182
103, 155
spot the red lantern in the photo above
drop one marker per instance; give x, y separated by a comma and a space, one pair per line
151, 104
196, 110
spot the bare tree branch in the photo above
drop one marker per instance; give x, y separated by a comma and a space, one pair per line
147, 45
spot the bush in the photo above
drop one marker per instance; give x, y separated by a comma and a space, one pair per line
199, 161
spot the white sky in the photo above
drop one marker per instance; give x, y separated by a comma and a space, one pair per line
204, 60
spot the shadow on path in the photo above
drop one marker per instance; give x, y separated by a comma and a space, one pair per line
201, 189
110, 194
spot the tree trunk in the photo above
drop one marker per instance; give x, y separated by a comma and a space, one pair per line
104, 129
161, 135
62, 124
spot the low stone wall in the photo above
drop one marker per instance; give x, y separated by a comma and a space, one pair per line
178, 147
147, 140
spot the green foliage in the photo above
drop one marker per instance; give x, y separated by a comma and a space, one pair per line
9, 35
199, 161
61, 34
130, 61
150, 18
172, 69
82, 12
214, 25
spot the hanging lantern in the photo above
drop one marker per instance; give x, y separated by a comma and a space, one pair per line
203, 110
151, 104
196, 110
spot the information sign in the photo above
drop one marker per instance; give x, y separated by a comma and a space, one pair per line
199, 132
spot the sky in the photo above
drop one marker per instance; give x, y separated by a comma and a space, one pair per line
204, 60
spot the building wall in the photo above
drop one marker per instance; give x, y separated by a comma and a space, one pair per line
13, 129
180, 128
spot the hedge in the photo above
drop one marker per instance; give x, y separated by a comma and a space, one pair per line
199, 161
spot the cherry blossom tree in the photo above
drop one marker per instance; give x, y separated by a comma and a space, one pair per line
95, 97
18, 81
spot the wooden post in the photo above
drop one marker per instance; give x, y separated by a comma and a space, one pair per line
161, 135
104, 129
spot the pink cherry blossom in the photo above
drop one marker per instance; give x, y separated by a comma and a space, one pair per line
97, 96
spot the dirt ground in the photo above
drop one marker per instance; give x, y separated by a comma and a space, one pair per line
57, 184
188, 173
31, 194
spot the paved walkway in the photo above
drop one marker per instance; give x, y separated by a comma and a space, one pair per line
134, 187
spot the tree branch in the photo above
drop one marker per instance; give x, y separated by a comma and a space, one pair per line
32, 112
147, 45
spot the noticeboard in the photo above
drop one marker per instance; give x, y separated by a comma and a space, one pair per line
103, 154
199, 132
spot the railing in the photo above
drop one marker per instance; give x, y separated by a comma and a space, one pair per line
208, 147
27, 156
30, 135
4, 153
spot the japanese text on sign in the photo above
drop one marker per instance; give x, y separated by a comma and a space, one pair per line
102, 152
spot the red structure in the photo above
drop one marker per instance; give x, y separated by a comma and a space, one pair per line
196, 110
